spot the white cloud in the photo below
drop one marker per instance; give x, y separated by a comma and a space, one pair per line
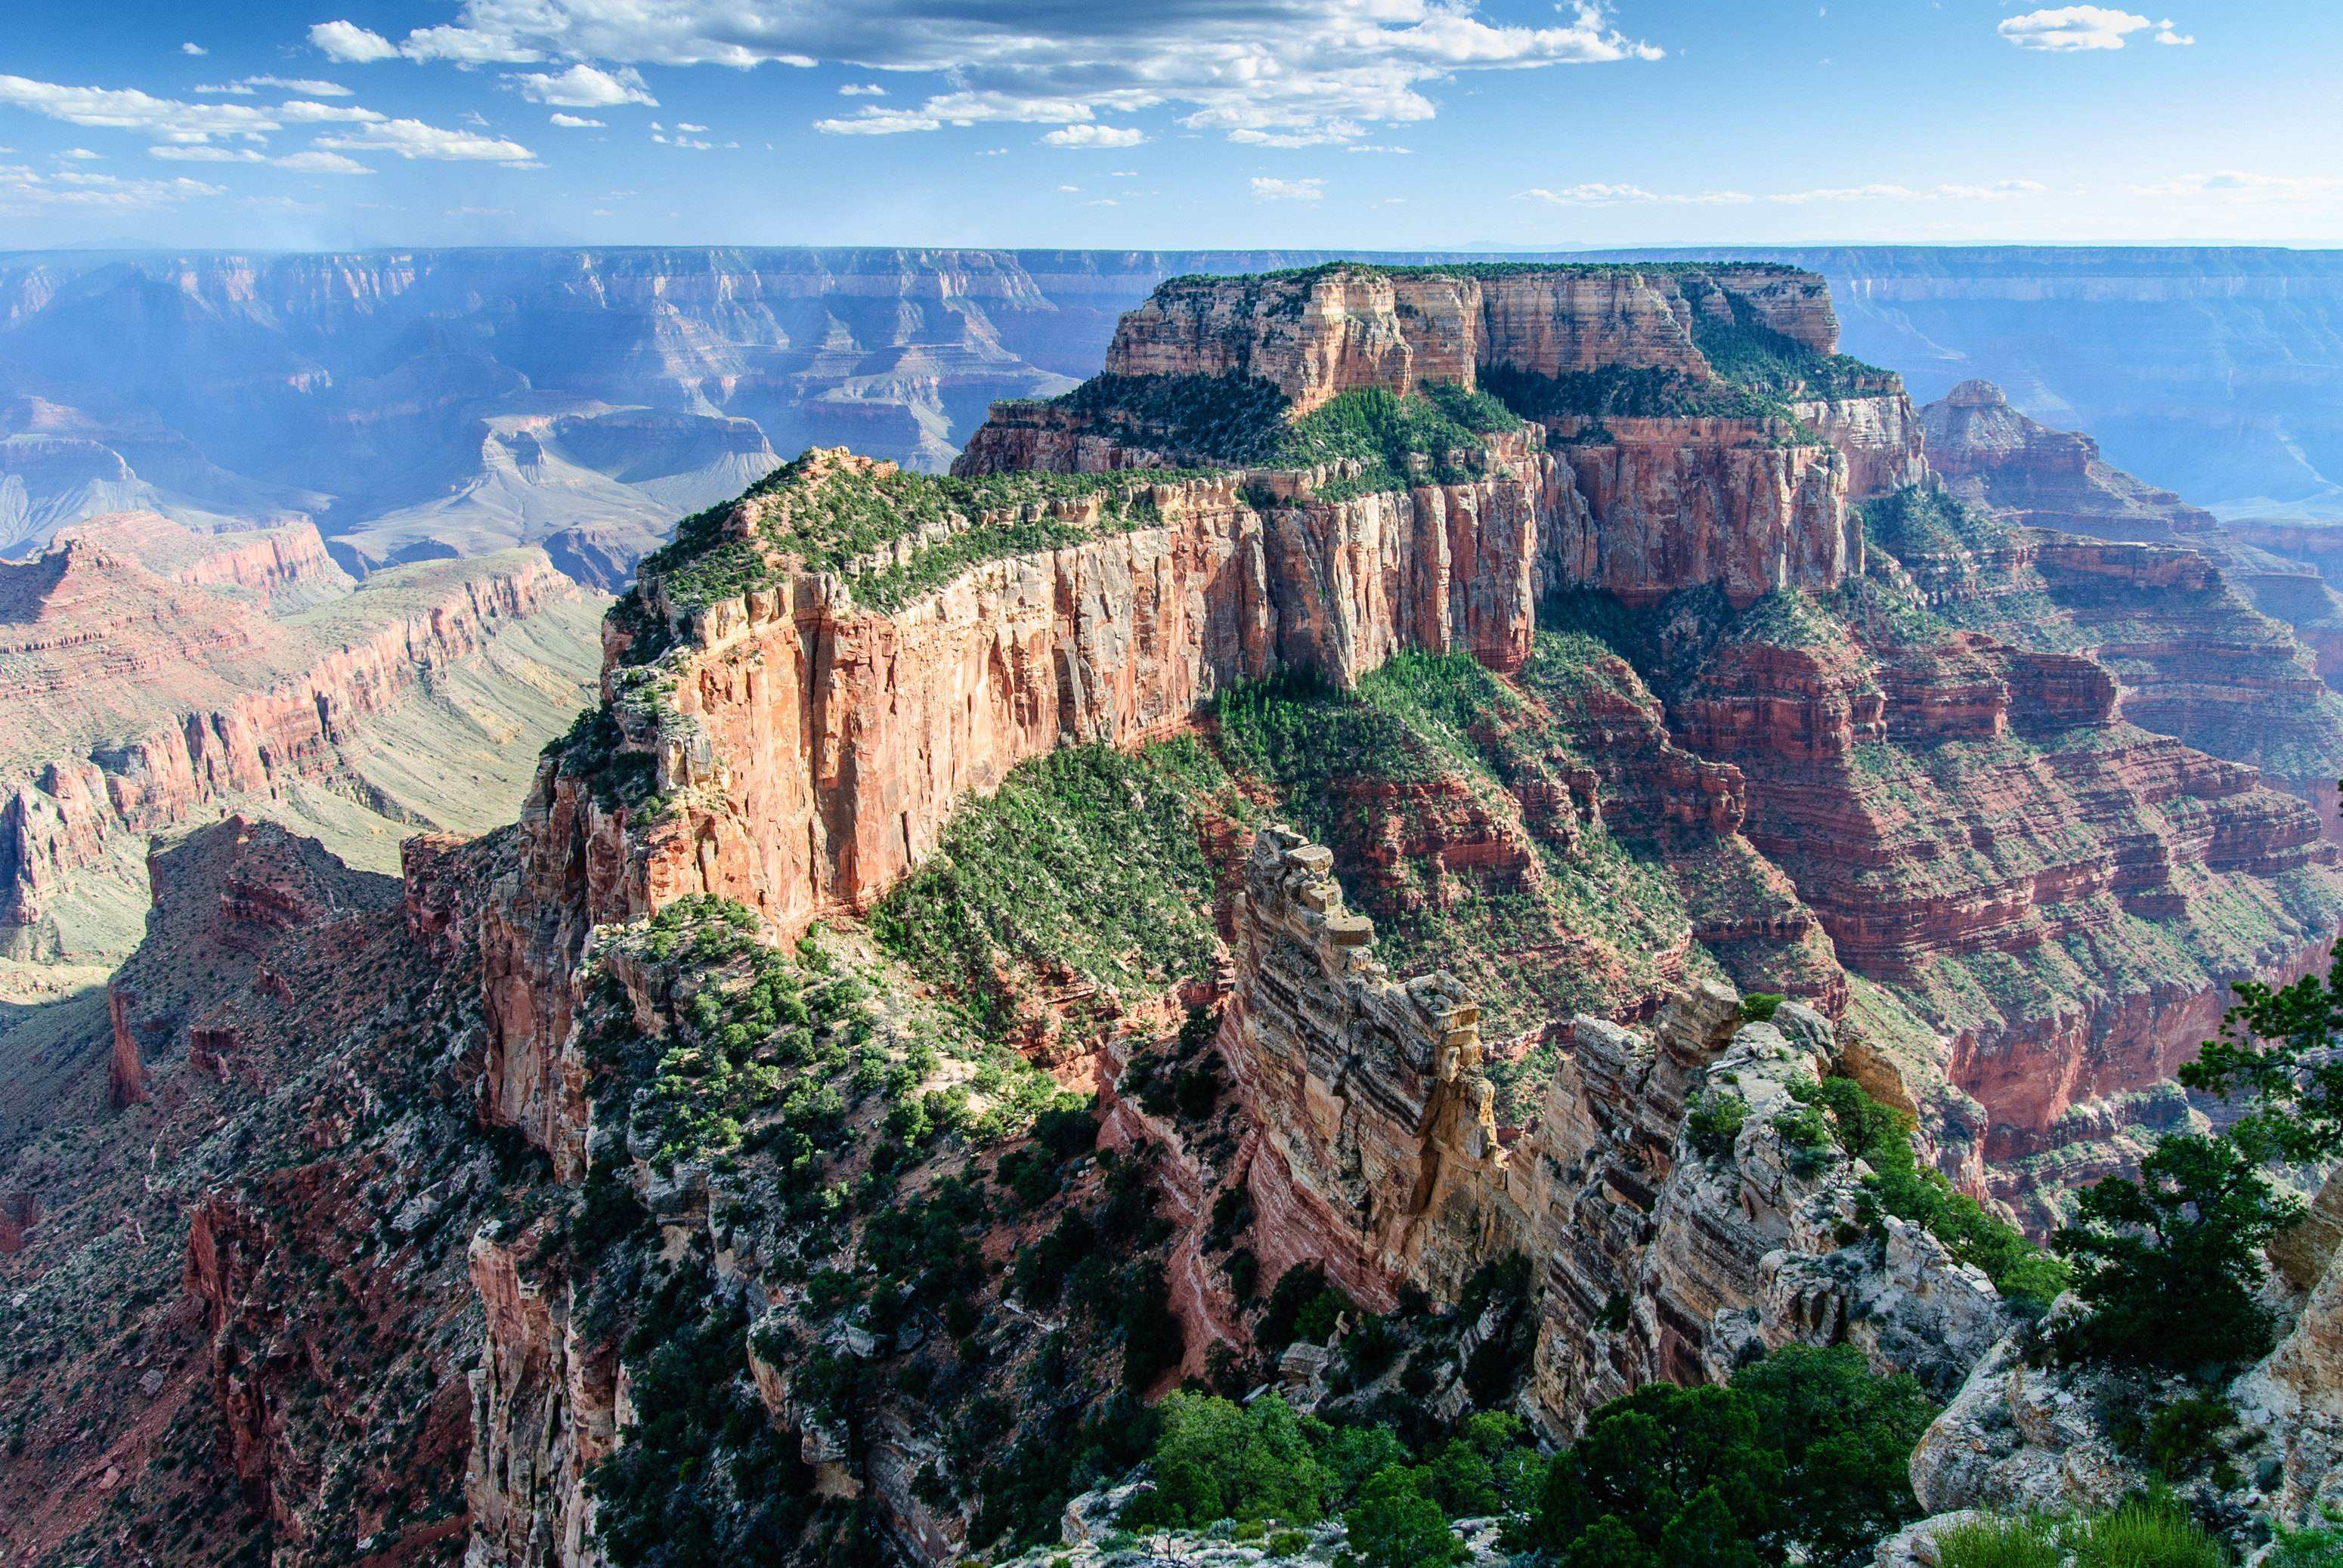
2235, 185
307, 87
311, 162
1281, 67
1604, 195
82, 156
350, 43
1267, 189
20, 187
193, 49
128, 109
316, 163
862, 90
207, 154
1317, 136
414, 139
2166, 35
2064, 29
687, 125
1071, 190
231, 89
584, 88
575, 122
301, 112
468, 47
1095, 137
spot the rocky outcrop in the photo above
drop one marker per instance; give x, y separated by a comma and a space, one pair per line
2213, 639
1379, 1159
2024, 1436
1317, 334
1990, 455
545, 1410
284, 566
223, 898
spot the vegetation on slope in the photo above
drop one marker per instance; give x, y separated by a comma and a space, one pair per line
1800, 1459
1538, 920
818, 517
1085, 866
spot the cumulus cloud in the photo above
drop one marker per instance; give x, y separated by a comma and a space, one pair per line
301, 112
81, 155
2167, 34
193, 49
862, 90
128, 109
1265, 189
310, 163
1094, 136
350, 43
414, 139
21, 186
317, 162
584, 88
575, 122
307, 87
1276, 66
2064, 29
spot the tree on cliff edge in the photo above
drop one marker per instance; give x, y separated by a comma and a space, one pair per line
2169, 1262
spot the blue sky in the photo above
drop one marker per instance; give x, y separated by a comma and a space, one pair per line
1352, 123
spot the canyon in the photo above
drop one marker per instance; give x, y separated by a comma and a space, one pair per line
668, 1158
158, 676
602, 393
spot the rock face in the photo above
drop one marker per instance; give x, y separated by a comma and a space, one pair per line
1991, 455
1317, 334
2212, 639
1647, 506
2020, 1437
1378, 1158
156, 675
223, 898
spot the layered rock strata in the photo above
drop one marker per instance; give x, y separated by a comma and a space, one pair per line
1378, 1159
142, 699
2213, 639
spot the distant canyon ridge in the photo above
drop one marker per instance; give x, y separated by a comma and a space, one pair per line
424, 404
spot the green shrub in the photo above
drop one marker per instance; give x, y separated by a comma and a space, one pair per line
1992, 1543
1288, 1543
1216, 1460
2184, 1437
1397, 1522
2317, 1545
1760, 1006
1881, 1136
2153, 1534
1715, 1121
1805, 1450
